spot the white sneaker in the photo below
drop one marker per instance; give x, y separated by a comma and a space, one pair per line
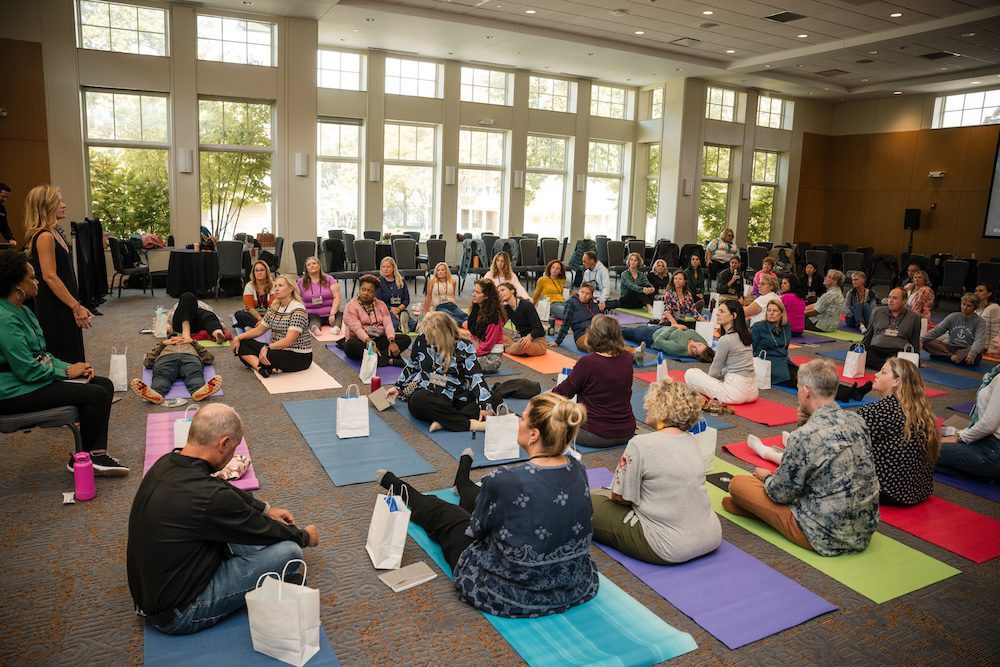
862, 328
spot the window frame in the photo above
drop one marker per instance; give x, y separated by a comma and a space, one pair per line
571, 93
653, 103
548, 171
438, 77
166, 28
770, 113
339, 159
652, 177
941, 109
475, 166
207, 13
628, 103
621, 175
435, 222
727, 181
508, 94
709, 105
362, 69
236, 148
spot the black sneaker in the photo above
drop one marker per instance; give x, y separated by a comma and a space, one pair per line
264, 370
106, 465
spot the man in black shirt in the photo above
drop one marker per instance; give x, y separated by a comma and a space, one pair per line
197, 544
530, 338
6, 235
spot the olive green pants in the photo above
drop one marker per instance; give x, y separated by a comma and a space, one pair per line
610, 528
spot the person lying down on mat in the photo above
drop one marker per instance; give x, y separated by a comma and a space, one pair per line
173, 359
197, 544
519, 545
824, 494
675, 341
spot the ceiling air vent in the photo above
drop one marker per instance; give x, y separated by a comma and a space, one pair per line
784, 17
938, 55
831, 72
686, 41
708, 26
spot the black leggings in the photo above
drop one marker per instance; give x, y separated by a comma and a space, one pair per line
354, 348
200, 319
452, 415
93, 400
588, 439
280, 360
639, 300
245, 319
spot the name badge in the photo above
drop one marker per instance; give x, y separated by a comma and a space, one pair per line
891, 332
395, 301
317, 300
438, 380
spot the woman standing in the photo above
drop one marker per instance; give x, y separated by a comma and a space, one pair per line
772, 336
795, 303
393, 293
731, 378
551, 286
290, 349
441, 291
660, 480
658, 277
860, 303
321, 293
57, 304
921, 295
679, 307
257, 296
485, 325
500, 273
990, 312
636, 290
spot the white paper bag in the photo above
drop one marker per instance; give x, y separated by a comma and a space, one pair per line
563, 374
387, 531
369, 364
909, 354
661, 368
925, 324
160, 323
501, 435
119, 369
182, 426
762, 368
284, 618
543, 308
707, 331
352, 414
707, 438
658, 309
713, 301
854, 364
747, 289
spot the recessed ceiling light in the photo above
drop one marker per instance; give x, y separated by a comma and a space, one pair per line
356, 30
968, 34
895, 15
941, 69
530, 11
803, 36
897, 92
864, 80
640, 32
767, 67
708, 12
730, 50
679, 69
872, 53
976, 83
592, 53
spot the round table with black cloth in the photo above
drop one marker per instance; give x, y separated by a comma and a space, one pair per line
191, 271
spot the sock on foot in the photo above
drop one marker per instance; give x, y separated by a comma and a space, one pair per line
477, 425
756, 445
380, 475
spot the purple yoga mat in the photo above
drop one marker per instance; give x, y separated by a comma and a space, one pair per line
388, 374
975, 487
728, 592
628, 318
809, 339
964, 408
178, 390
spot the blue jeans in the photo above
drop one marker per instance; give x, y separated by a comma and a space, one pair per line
557, 310
979, 459
171, 367
640, 334
226, 591
860, 313
452, 309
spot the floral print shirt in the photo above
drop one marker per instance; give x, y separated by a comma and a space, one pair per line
682, 308
463, 379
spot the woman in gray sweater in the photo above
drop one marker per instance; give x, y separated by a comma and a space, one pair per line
731, 378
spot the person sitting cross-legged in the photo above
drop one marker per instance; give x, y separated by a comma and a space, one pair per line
528, 338
891, 329
196, 543
173, 359
367, 320
824, 495
966, 333
731, 377
824, 315
859, 303
290, 349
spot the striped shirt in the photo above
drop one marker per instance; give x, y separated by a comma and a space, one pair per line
282, 319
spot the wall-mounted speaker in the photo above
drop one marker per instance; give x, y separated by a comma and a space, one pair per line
911, 218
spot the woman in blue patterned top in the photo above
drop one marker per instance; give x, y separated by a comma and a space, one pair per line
443, 382
518, 546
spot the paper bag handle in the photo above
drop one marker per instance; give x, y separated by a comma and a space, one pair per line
265, 576
403, 493
506, 410
114, 350
305, 570
194, 407
858, 346
908, 348
762, 355
353, 391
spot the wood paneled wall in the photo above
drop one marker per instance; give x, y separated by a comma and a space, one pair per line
853, 189
24, 146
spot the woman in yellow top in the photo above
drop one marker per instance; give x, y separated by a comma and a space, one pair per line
550, 286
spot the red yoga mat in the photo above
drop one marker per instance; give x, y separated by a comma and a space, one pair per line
761, 411
868, 377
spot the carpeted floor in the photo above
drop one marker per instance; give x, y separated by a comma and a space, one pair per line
65, 598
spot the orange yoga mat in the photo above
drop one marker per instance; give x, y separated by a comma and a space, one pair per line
550, 363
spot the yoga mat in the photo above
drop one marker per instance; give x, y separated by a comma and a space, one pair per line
949, 526
953, 380
226, 644
799, 360
811, 339
964, 408
976, 487
550, 363
454, 442
983, 367
631, 317
649, 359
842, 334
390, 374
212, 343
313, 378
326, 337
758, 602
841, 355
160, 441
869, 398
263, 338
885, 570
766, 412
353, 460
611, 629
178, 390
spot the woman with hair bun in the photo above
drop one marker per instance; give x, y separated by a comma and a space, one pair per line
657, 509
518, 546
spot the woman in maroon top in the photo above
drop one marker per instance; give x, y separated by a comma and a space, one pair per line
602, 381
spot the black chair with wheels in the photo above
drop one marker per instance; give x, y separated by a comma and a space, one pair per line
413, 235
302, 250
333, 253
549, 250
528, 257
126, 263
852, 262
404, 251
820, 258
602, 249
364, 252
616, 259
755, 259
352, 258
953, 276
635, 245
689, 249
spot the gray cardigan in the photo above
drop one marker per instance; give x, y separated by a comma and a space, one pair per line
732, 356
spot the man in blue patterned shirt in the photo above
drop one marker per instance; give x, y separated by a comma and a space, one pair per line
824, 494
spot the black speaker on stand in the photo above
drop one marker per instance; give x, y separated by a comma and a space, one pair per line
911, 221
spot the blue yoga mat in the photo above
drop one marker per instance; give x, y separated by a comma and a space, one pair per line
811, 339
454, 442
613, 629
353, 460
964, 408
983, 367
649, 359
840, 355
975, 487
226, 644
390, 374
844, 404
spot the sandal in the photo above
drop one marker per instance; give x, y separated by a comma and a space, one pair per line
714, 407
213, 385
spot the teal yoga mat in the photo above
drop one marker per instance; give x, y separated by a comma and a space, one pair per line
353, 460
613, 629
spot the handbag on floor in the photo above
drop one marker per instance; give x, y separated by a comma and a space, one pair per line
182, 426
352, 414
387, 531
910, 355
762, 369
501, 435
119, 369
284, 617
369, 363
854, 363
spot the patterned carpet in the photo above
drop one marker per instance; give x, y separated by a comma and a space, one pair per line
65, 599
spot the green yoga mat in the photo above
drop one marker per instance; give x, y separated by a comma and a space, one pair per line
840, 334
637, 312
882, 572
613, 629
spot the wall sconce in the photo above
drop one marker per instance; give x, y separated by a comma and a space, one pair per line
518, 179
301, 164
745, 191
374, 171
185, 160
581, 182
686, 187
449, 175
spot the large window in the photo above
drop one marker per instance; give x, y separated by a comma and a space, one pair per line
610, 102
338, 156
235, 161
239, 41
550, 94
411, 77
128, 138
480, 181
408, 180
112, 26
340, 69
656, 103
765, 180
720, 104
770, 112
652, 188
713, 205
979, 108
488, 86
545, 185
605, 175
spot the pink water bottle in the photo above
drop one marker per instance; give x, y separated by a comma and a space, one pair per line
83, 475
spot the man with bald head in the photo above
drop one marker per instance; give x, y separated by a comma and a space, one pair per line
892, 328
197, 544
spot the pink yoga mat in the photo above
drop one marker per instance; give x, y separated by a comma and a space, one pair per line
160, 441
949, 526
178, 390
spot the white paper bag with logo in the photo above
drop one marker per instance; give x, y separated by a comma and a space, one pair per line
119, 369
352, 414
501, 435
910, 355
284, 618
706, 330
544, 309
747, 289
658, 309
387, 531
182, 426
707, 438
662, 371
762, 369
369, 364
854, 364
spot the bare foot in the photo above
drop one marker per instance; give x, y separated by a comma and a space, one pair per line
145, 392
213, 385
435, 426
